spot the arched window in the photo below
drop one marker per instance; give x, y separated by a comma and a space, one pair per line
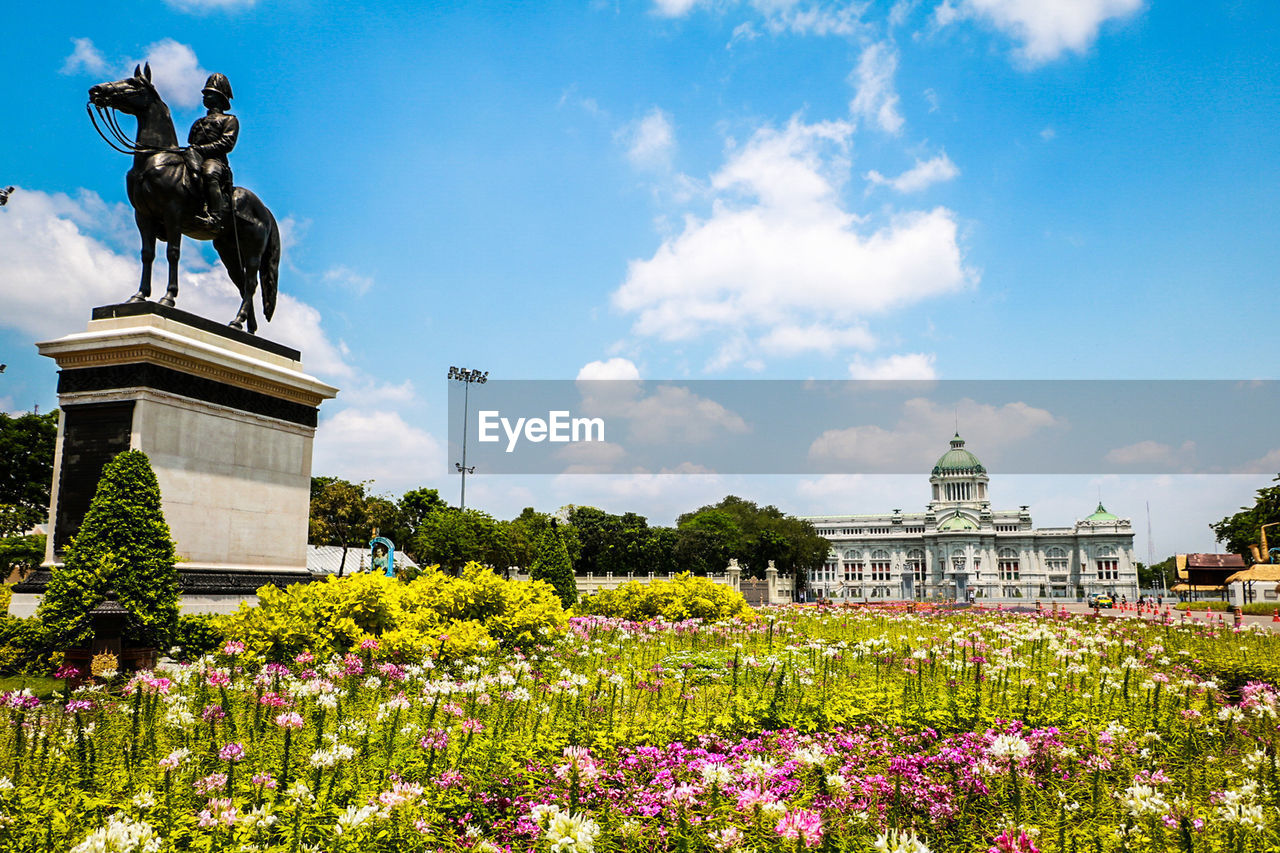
915, 564
1008, 564
853, 566
879, 565
957, 560
1108, 565
1056, 563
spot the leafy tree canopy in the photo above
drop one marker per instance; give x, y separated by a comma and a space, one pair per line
26, 469
1241, 530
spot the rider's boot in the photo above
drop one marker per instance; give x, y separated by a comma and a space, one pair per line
215, 209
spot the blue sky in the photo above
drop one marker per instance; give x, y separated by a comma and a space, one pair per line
768, 189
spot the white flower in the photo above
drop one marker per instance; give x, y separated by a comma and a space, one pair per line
1143, 800
897, 841
144, 800
837, 783
354, 817
808, 755
716, 774
120, 835
1010, 747
544, 813
572, 832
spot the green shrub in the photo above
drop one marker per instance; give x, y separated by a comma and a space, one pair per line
26, 647
197, 634
1261, 608
6, 596
123, 546
683, 597
1215, 606
551, 564
435, 613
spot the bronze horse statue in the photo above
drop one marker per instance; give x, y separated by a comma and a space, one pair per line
167, 199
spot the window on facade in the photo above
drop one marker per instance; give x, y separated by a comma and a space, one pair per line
915, 565
1007, 564
880, 565
1108, 569
1055, 560
853, 566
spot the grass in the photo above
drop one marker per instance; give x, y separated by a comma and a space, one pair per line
42, 686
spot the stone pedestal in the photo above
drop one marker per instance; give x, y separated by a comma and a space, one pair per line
227, 419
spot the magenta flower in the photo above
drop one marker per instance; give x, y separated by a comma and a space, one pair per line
233, 648
1007, 843
803, 825
232, 752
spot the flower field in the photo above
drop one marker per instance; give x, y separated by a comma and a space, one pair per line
825, 730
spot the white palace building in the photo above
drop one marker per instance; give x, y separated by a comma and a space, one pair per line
960, 548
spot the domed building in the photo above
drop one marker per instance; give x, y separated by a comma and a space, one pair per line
960, 548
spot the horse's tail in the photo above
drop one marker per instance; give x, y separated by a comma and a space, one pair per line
269, 271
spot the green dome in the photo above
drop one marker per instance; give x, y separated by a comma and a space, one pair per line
957, 522
957, 460
1101, 514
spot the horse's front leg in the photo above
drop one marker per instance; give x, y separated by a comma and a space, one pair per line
148, 233
173, 254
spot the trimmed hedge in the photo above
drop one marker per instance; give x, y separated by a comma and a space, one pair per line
1261, 608
1215, 606
683, 597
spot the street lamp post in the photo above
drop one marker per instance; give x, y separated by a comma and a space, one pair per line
466, 376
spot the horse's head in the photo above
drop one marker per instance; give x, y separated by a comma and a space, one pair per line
131, 96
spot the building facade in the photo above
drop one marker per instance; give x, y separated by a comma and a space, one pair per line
959, 548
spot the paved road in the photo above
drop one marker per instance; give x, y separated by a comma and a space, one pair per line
1199, 616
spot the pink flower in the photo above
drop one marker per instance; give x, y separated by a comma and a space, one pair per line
266, 780
1006, 843
304, 658
66, 671
290, 720
369, 643
212, 782
218, 678
472, 726
232, 752
434, 739
233, 648
801, 824
219, 811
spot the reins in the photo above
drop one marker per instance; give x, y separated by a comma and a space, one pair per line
118, 140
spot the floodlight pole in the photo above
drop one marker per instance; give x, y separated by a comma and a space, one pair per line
466, 376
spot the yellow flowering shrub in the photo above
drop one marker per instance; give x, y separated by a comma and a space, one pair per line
435, 613
685, 596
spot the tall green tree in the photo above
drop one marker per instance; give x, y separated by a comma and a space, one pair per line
552, 565
339, 515
26, 469
453, 537
1241, 530
123, 546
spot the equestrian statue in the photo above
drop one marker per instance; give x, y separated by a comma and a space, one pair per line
176, 191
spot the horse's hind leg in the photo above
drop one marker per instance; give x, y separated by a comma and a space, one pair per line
228, 251
148, 233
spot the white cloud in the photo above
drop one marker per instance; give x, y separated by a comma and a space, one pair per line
1045, 29
651, 141
1268, 463
913, 441
779, 252
923, 174
614, 368
84, 58
379, 445
675, 8
348, 279
798, 17
789, 340
1153, 453
176, 72
913, 365
874, 95
201, 6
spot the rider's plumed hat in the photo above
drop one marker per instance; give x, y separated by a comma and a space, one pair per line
219, 84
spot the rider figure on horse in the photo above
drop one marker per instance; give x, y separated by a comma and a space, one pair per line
212, 137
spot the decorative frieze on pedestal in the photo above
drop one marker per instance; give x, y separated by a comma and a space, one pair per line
227, 420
